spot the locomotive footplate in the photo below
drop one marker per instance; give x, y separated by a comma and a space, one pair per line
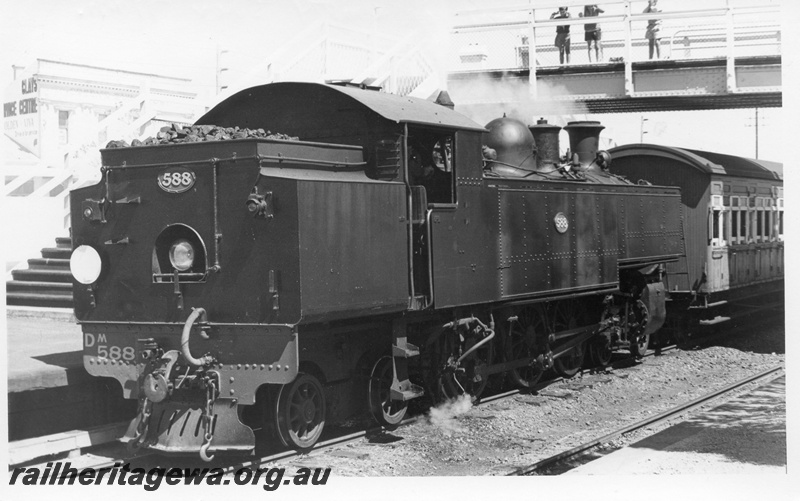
177, 426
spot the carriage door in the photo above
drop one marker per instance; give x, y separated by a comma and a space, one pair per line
718, 273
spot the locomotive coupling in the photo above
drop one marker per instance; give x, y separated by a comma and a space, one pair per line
157, 384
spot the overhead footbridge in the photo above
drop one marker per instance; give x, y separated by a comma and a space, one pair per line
715, 57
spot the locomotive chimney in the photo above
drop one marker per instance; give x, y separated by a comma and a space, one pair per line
584, 139
545, 136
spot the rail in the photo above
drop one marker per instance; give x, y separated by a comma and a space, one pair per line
671, 413
101, 447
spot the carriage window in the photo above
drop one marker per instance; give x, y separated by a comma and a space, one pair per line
743, 225
726, 225
718, 227
760, 224
738, 220
715, 217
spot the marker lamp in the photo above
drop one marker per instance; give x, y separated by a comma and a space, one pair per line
85, 264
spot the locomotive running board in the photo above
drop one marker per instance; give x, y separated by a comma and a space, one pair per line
178, 427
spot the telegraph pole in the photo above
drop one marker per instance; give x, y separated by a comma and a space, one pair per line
756, 133
642, 132
755, 126
219, 69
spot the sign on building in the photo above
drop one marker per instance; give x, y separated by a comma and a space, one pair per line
21, 115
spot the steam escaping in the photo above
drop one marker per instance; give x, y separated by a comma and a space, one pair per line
444, 415
484, 98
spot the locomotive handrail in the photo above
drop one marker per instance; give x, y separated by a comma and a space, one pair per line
281, 158
125, 165
181, 275
259, 158
217, 233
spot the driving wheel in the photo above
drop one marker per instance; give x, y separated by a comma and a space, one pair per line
387, 412
300, 412
520, 335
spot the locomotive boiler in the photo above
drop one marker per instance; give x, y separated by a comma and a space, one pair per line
395, 249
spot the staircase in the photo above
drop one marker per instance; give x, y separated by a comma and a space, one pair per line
47, 282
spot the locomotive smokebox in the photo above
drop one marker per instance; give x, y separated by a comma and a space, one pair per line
545, 136
513, 142
584, 139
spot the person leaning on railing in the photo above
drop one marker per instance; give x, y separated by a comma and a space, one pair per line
653, 33
562, 35
592, 32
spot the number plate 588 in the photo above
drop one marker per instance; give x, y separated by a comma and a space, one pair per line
108, 346
176, 180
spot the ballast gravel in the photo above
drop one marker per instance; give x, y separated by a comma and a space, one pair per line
498, 437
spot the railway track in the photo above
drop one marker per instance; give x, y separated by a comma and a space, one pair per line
97, 454
98, 447
556, 464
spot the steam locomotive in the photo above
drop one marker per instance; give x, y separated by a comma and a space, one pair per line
396, 249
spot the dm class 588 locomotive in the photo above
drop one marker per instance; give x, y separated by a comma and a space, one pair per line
390, 248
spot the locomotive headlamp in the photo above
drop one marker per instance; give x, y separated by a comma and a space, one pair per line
85, 264
181, 255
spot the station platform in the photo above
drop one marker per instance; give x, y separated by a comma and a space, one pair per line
48, 389
746, 435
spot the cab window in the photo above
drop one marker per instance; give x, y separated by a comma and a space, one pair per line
430, 165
